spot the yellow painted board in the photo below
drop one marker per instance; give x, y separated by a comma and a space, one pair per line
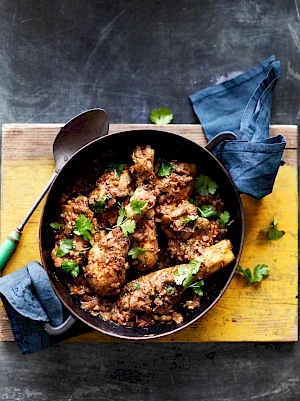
264, 312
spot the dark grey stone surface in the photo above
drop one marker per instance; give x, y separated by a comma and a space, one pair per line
61, 57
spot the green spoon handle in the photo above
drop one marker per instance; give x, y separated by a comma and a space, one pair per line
8, 246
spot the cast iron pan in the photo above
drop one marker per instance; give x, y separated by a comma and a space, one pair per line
87, 165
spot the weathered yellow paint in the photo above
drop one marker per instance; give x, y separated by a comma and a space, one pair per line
265, 312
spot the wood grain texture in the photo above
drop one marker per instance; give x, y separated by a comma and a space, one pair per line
267, 312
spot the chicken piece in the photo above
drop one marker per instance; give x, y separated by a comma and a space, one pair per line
106, 269
157, 292
142, 169
183, 218
175, 187
78, 254
215, 258
72, 209
145, 237
110, 187
188, 234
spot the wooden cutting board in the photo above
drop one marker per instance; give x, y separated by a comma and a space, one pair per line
264, 312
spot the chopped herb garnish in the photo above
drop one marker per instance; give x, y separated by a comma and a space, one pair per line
65, 247
99, 205
184, 274
274, 234
137, 206
197, 287
224, 219
259, 272
84, 227
57, 226
118, 166
170, 290
122, 213
165, 169
135, 251
189, 219
204, 185
70, 266
194, 202
161, 116
127, 225
207, 211
137, 286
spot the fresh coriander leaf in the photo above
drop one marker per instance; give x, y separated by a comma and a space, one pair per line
84, 227
128, 227
57, 226
275, 234
189, 219
207, 211
195, 265
224, 219
194, 202
181, 274
65, 247
99, 205
162, 116
197, 287
170, 290
70, 266
137, 206
121, 216
259, 272
184, 274
137, 286
204, 185
165, 169
117, 165
135, 251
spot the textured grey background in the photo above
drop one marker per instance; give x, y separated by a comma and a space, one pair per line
61, 57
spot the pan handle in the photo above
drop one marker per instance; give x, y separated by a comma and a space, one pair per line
223, 136
55, 331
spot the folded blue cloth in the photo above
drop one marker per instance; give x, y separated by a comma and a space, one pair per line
242, 105
30, 302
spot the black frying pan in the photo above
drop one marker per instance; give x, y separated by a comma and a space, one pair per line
86, 165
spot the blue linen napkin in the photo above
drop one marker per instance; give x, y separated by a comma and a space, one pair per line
242, 105
30, 302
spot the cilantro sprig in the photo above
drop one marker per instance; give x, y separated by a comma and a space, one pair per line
165, 169
117, 165
135, 251
207, 211
70, 266
65, 247
84, 227
99, 205
204, 185
274, 234
197, 287
57, 226
127, 225
162, 116
189, 219
184, 275
260, 271
224, 219
137, 206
